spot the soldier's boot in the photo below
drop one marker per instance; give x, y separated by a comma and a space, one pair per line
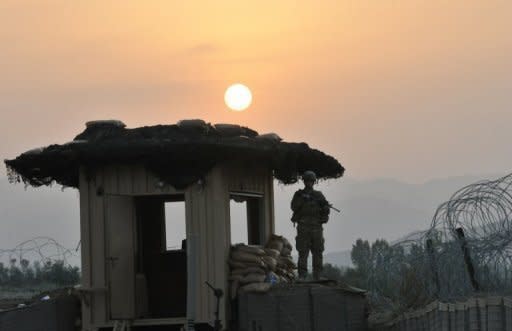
317, 265
303, 264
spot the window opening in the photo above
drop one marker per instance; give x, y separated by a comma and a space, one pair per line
246, 218
175, 225
238, 212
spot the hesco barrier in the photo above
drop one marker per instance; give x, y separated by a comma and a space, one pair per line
305, 307
58, 314
475, 314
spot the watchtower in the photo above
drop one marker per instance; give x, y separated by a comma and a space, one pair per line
127, 178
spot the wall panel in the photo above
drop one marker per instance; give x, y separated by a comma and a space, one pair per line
97, 224
85, 242
207, 212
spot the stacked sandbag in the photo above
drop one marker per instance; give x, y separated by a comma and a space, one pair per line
248, 270
255, 269
281, 251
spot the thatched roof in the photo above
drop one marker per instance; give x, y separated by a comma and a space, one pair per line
178, 154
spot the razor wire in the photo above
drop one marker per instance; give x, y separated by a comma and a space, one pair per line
41, 249
466, 251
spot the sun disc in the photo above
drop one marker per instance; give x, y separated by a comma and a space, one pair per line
238, 97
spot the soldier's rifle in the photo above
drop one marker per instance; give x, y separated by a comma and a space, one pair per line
311, 197
334, 208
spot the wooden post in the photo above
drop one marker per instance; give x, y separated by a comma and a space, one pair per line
467, 259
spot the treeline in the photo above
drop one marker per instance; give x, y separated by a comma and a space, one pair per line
393, 275
366, 258
23, 273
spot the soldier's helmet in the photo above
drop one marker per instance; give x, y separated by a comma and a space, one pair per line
309, 176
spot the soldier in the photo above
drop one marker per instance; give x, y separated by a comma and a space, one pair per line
310, 211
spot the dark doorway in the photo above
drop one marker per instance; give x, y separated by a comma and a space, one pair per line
162, 262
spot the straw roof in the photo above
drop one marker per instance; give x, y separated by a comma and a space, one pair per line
178, 154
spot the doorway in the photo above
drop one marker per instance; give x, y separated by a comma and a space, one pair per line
161, 255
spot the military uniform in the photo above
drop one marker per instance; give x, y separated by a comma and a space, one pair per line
310, 212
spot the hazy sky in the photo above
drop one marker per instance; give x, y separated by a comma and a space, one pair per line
411, 90
405, 89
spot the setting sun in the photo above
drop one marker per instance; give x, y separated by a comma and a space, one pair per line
238, 97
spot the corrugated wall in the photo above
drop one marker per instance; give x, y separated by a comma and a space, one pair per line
95, 186
92, 225
207, 213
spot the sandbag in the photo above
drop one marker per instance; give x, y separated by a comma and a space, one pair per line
244, 265
272, 252
252, 278
275, 237
287, 268
251, 264
233, 130
270, 137
255, 250
259, 264
254, 270
241, 271
249, 270
240, 256
270, 262
286, 244
236, 264
228, 129
286, 251
256, 287
285, 276
236, 277
286, 259
275, 244
193, 124
282, 272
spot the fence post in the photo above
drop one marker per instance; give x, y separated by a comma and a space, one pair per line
467, 259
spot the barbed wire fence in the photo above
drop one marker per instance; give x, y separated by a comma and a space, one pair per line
467, 251
39, 249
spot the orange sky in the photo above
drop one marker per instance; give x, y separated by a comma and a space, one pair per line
405, 89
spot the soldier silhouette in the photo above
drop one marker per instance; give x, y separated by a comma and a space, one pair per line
310, 212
